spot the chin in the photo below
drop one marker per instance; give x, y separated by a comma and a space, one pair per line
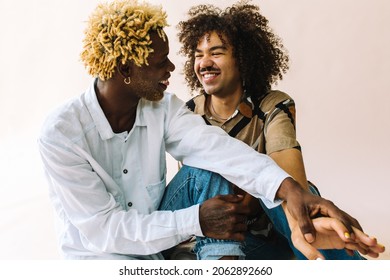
157, 96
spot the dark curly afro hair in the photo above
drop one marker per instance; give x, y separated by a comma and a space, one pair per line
261, 56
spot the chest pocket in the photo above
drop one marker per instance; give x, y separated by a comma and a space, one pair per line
156, 192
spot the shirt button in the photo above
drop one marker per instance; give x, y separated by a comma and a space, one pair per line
125, 171
129, 204
223, 127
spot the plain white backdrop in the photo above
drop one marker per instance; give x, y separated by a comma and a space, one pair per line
339, 78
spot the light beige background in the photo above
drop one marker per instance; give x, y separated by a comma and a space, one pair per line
339, 78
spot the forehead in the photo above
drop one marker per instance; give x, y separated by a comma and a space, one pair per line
214, 38
159, 45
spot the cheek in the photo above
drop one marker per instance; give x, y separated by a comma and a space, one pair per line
195, 67
196, 70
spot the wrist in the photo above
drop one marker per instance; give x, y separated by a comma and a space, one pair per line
291, 221
287, 187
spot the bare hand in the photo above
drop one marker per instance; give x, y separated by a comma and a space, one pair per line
224, 217
304, 206
331, 235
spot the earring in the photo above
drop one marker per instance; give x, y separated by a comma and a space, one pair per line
243, 86
127, 81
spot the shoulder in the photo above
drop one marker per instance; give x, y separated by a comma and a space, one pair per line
196, 104
169, 108
65, 119
273, 98
169, 102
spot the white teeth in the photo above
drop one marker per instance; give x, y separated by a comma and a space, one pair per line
207, 76
165, 82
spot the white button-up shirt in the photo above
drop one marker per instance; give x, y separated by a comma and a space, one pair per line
106, 187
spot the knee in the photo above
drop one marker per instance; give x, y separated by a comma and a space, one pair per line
205, 180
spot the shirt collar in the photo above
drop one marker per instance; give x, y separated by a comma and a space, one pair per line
245, 107
98, 116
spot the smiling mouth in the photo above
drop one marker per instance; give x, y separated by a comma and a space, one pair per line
164, 83
209, 76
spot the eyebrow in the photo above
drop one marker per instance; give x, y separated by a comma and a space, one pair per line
165, 53
223, 47
160, 56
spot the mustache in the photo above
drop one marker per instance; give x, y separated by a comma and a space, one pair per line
208, 69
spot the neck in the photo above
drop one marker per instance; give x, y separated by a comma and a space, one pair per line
118, 105
223, 107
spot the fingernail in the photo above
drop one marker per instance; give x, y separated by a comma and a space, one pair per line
347, 235
309, 237
381, 245
319, 259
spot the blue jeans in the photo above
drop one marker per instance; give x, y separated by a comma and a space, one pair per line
192, 186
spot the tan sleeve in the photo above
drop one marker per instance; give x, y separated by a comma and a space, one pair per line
279, 128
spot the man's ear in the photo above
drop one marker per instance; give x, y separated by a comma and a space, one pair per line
125, 69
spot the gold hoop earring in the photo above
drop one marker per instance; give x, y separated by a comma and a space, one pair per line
127, 81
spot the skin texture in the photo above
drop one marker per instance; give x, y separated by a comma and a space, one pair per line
224, 217
119, 100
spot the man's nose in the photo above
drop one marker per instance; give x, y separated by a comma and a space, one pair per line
206, 62
171, 67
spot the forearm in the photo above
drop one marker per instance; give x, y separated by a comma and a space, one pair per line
291, 161
255, 173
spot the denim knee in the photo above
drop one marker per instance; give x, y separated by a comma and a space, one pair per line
192, 186
214, 249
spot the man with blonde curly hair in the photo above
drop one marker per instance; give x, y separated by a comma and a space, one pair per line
104, 155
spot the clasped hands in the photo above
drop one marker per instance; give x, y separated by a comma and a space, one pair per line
224, 217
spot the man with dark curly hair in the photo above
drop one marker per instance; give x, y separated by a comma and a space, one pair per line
233, 60
104, 155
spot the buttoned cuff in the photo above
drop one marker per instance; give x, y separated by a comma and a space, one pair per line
276, 201
187, 221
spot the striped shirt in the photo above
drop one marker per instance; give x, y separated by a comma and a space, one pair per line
268, 127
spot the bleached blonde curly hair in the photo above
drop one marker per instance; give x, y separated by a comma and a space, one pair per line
118, 32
